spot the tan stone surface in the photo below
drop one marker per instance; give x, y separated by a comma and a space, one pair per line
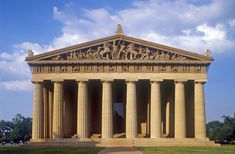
170, 105
50, 99
46, 107
131, 110
107, 110
126, 76
82, 110
180, 119
58, 110
37, 124
155, 131
200, 115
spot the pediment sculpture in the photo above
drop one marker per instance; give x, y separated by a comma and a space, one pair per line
120, 50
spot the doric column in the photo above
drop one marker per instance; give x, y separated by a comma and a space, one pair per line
50, 101
167, 117
58, 110
45, 102
199, 114
180, 119
107, 110
155, 117
37, 125
82, 110
131, 110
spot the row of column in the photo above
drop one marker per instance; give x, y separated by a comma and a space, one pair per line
131, 110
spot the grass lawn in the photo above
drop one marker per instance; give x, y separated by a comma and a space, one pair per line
19, 150
225, 149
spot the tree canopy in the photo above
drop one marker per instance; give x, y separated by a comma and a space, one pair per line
222, 131
19, 129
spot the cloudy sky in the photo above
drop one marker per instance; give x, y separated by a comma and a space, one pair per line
194, 25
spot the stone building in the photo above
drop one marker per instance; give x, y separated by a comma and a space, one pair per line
119, 91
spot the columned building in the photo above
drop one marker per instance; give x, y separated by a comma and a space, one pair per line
119, 91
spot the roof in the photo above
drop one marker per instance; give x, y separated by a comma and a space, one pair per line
119, 36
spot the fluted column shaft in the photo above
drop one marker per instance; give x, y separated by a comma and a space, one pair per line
50, 100
45, 102
200, 115
107, 110
37, 124
180, 119
82, 110
58, 110
131, 110
155, 110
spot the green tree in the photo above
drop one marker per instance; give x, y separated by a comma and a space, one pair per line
22, 128
5, 130
221, 131
214, 129
17, 129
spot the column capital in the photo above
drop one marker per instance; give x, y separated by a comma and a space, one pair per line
37, 81
81, 80
200, 81
156, 80
106, 80
180, 81
131, 80
57, 80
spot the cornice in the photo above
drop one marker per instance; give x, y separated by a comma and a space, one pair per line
117, 62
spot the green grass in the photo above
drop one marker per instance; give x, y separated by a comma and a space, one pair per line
19, 150
225, 149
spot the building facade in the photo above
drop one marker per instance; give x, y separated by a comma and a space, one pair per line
117, 91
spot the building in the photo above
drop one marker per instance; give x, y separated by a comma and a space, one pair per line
119, 91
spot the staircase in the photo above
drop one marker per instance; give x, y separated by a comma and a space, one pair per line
94, 136
121, 135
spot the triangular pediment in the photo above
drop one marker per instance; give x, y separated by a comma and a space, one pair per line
119, 48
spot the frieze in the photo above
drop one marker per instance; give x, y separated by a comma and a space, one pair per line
118, 69
119, 50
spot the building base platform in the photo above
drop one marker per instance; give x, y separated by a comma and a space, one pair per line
119, 142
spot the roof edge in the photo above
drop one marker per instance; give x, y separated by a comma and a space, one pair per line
121, 36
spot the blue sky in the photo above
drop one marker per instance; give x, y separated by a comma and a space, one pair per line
46, 25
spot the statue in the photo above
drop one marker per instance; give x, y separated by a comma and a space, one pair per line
115, 51
173, 57
146, 54
30, 53
167, 56
162, 56
80, 55
105, 53
131, 51
58, 57
72, 55
122, 53
208, 53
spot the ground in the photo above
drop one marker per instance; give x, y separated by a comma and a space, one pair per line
228, 149
18, 150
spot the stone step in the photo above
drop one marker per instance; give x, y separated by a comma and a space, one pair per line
121, 135
96, 136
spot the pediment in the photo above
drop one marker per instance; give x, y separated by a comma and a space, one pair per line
119, 48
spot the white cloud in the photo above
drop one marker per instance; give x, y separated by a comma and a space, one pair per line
184, 25
17, 85
176, 23
212, 33
211, 37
